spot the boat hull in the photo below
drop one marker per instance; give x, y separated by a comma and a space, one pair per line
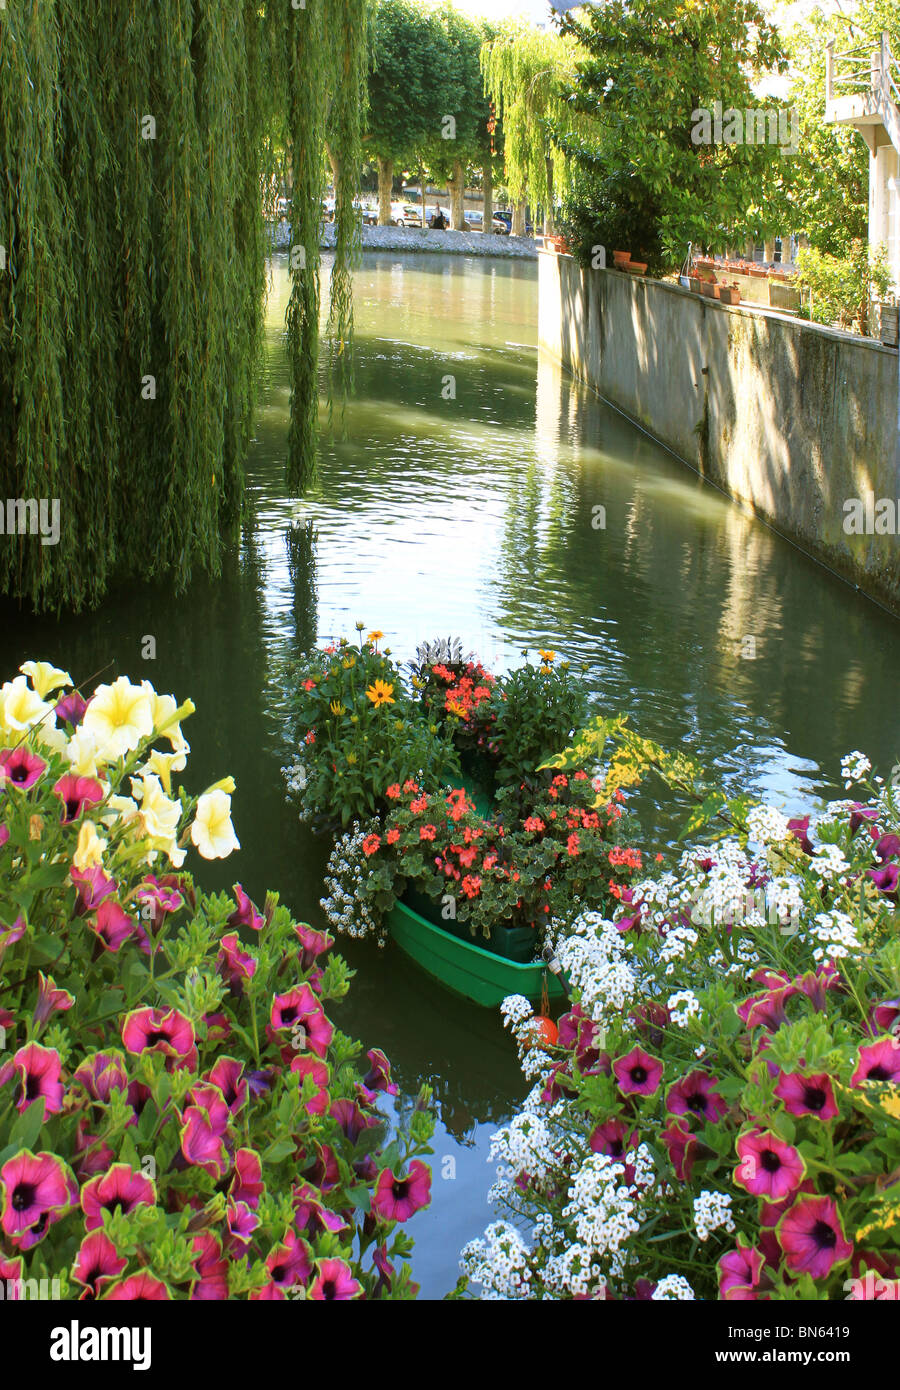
468, 970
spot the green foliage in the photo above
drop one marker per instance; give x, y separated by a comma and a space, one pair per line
537, 709
842, 290
647, 67
827, 181
525, 71
361, 731
131, 257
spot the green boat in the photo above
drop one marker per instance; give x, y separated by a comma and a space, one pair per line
469, 970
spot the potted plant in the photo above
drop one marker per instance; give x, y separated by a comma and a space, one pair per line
621, 259
729, 294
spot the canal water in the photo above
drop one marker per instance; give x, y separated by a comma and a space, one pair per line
478, 492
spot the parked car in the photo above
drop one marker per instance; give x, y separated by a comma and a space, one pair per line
506, 217
412, 216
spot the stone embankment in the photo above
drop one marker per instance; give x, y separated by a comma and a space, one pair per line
425, 240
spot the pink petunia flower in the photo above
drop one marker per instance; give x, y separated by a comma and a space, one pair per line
807, 1095
334, 1280
38, 1189
122, 1188
20, 767
638, 1073
141, 1287
75, 793
158, 1030
39, 1070
97, 1263
739, 1273
694, 1094
812, 1238
398, 1198
768, 1167
878, 1061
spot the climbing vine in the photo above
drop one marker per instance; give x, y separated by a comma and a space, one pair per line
136, 142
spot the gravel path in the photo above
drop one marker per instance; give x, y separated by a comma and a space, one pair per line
419, 239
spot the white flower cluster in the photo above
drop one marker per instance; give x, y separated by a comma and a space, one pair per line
595, 960
344, 902
602, 1208
573, 1272
712, 1211
836, 934
854, 767
296, 778
767, 826
683, 1006
498, 1262
514, 1010
524, 1146
674, 1286
828, 864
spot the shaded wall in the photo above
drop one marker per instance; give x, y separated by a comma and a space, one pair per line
790, 418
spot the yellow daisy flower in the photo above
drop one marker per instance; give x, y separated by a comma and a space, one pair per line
381, 693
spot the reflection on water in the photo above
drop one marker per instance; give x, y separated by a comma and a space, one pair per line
470, 508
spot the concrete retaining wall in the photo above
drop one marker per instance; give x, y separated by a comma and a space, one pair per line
789, 418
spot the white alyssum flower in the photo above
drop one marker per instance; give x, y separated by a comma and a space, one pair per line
854, 767
836, 934
767, 826
673, 1286
498, 1262
595, 958
683, 1006
712, 1211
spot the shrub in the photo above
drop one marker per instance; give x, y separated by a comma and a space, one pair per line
181, 1117
720, 1117
360, 730
842, 291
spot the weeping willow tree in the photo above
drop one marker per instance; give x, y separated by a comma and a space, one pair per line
135, 141
524, 73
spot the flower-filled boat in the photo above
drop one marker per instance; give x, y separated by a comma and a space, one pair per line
453, 837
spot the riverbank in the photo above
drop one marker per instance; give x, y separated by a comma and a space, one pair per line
427, 241
797, 421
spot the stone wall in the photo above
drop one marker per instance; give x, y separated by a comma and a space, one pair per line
793, 419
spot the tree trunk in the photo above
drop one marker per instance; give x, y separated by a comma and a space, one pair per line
548, 206
422, 191
457, 194
335, 176
518, 218
488, 203
385, 184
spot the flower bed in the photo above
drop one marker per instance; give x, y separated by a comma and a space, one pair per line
720, 1116
541, 844
181, 1118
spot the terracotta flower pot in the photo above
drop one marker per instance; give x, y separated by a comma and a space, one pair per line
621, 259
708, 288
729, 294
695, 284
636, 267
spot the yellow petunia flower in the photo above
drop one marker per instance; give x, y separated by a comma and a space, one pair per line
89, 850
20, 706
380, 693
44, 677
212, 831
120, 716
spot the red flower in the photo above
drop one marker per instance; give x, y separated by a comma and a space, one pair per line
370, 844
427, 832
